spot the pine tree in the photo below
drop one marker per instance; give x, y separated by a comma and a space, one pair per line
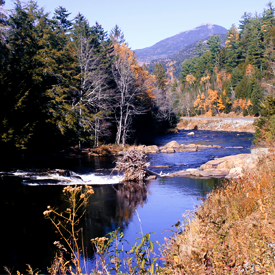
232, 49
200, 49
37, 80
214, 44
159, 73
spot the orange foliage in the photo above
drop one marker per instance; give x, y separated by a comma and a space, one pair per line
242, 104
190, 78
144, 79
249, 70
213, 101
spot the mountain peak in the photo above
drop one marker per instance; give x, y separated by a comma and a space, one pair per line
167, 47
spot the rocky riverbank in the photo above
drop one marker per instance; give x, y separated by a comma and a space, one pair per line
227, 167
217, 124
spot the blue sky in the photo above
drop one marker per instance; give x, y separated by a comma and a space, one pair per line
145, 22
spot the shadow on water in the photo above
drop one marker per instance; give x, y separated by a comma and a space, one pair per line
28, 238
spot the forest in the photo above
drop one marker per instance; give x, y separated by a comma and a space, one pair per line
65, 83
237, 77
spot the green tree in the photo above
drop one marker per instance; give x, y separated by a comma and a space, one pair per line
35, 108
232, 49
200, 49
61, 16
214, 45
159, 73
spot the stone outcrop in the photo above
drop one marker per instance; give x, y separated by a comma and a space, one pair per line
229, 167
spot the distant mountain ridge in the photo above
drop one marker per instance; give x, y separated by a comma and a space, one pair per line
177, 58
169, 46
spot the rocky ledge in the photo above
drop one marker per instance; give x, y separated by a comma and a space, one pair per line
227, 167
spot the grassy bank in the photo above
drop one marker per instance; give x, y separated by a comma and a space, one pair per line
232, 232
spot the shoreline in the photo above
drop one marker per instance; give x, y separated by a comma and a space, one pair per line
228, 124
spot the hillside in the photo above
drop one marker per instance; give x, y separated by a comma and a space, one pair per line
185, 53
169, 46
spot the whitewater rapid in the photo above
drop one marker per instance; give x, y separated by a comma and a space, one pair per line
52, 178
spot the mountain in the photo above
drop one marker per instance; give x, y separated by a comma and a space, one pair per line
177, 58
169, 46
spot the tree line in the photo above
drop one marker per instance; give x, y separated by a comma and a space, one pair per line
64, 82
236, 78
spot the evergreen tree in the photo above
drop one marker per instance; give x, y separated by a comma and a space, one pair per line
117, 35
214, 44
159, 73
36, 107
232, 49
200, 49
61, 18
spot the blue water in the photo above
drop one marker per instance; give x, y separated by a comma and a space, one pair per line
185, 160
152, 209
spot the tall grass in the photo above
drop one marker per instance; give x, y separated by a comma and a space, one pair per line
232, 232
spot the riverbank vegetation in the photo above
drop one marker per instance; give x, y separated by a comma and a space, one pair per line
64, 82
232, 232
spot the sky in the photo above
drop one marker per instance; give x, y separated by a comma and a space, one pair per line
146, 22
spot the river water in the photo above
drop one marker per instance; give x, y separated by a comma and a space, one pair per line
27, 238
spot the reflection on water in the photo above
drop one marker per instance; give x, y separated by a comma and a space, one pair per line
29, 237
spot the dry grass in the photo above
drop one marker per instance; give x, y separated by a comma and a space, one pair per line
232, 232
108, 149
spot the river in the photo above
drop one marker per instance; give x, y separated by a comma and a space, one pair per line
27, 238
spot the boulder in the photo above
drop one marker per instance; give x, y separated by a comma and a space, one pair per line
151, 149
228, 162
191, 134
235, 172
172, 144
216, 146
191, 149
210, 173
191, 145
167, 150
229, 167
181, 149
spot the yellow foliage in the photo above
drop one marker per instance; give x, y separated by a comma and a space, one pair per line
170, 70
190, 78
242, 104
205, 79
144, 79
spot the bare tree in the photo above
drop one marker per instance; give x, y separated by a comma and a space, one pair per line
93, 99
126, 98
165, 103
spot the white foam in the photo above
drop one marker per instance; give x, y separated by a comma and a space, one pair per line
31, 178
93, 179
